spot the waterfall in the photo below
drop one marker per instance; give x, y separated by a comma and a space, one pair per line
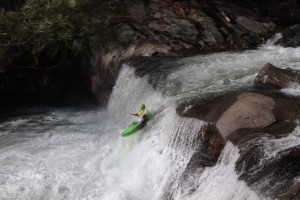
66, 153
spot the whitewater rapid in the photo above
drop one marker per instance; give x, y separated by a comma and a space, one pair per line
68, 153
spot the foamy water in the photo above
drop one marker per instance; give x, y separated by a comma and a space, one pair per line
78, 154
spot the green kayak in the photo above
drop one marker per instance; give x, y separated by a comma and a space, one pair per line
131, 129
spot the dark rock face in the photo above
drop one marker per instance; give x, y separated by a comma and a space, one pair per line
280, 172
62, 86
293, 191
203, 26
176, 28
279, 78
290, 37
285, 12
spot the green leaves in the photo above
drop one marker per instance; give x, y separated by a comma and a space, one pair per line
50, 26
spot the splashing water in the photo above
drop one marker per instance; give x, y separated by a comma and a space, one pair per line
74, 154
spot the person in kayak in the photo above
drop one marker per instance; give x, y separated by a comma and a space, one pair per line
141, 114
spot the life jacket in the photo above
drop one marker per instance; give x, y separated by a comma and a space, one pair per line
141, 113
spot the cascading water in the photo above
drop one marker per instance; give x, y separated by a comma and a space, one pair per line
51, 153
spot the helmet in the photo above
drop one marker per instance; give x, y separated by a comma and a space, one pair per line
142, 106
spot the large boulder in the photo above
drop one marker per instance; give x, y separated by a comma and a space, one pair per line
253, 121
238, 113
250, 110
279, 78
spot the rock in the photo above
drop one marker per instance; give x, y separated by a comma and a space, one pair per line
256, 166
100, 90
65, 85
107, 65
210, 109
280, 78
249, 111
209, 150
206, 155
294, 152
152, 47
177, 28
292, 193
252, 25
278, 129
246, 118
237, 114
290, 37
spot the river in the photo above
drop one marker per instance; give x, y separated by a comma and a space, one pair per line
71, 153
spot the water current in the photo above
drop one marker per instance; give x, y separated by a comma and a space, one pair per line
69, 153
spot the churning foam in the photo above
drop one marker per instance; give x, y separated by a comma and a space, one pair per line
66, 154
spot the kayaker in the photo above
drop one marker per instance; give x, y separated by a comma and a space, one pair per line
141, 114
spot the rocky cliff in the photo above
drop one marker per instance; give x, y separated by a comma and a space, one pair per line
177, 28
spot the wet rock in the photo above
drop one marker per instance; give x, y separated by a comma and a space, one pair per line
250, 110
292, 193
280, 78
107, 65
209, 110
210, 145
101, 90
237, 114
294, 152
255, 165
290, 37
253, 121
177, 28
278, 129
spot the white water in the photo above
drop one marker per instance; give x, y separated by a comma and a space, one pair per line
69, 154
221, 181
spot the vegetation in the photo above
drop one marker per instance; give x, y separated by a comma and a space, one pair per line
52, 30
